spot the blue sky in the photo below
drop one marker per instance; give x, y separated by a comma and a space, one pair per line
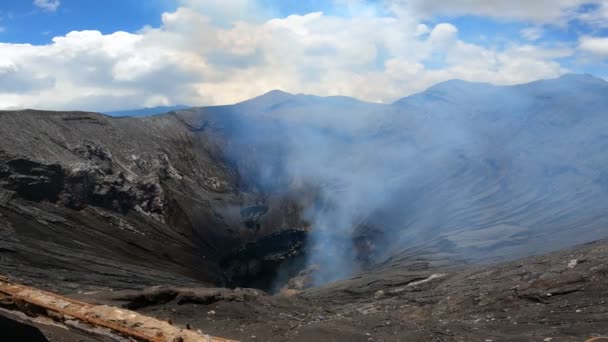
24, 22
117, 54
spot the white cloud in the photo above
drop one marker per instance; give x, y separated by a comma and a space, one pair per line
422, 29
226, 12
443, 33
192, 59
532, 33
47, 5
540, 11
595, 45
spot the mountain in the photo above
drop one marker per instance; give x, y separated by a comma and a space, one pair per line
146, 111
326, 112
331, 196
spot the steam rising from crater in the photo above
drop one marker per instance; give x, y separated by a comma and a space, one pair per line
461, 157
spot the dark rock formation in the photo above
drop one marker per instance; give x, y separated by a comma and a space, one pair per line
88, 199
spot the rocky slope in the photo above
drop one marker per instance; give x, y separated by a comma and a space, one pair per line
89, 199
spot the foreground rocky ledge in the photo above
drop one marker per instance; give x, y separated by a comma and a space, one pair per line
561, 296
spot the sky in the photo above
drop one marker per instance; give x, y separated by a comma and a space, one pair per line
123, 54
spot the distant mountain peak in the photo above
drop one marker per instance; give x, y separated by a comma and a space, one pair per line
463, 90
453, 88
267, 99
577, 76
581, 78
456, 81
455, 84
277, 92
146, 111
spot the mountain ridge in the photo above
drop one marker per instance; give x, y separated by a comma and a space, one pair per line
146, 111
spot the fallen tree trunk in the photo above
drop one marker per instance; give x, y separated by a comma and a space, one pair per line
92, 319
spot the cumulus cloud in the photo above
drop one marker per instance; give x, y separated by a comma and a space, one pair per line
595, 45
47, 5
14, 81
194, 59
443, 33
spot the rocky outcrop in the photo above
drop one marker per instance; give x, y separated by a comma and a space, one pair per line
117, 196
267, 262
82, 186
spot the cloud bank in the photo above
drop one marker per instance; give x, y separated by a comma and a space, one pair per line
214, 52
